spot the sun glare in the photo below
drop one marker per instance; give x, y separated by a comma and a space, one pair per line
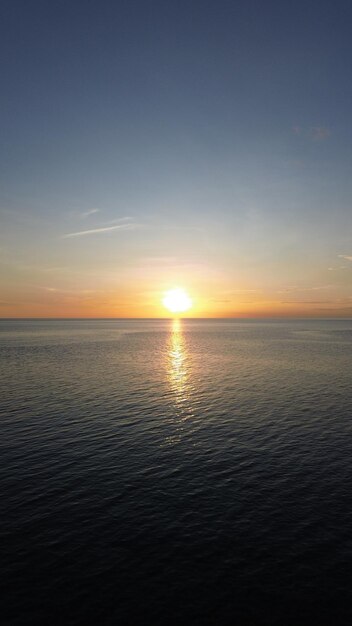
177, 301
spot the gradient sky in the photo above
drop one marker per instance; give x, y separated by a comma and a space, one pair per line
147, 145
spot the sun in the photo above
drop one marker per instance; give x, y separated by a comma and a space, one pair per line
177, 301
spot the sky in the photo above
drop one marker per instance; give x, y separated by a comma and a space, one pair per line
197, 144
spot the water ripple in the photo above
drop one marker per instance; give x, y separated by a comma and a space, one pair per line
159, 472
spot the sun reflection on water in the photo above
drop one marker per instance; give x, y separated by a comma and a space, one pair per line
179, 369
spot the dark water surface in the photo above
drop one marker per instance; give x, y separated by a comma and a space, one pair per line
155, 472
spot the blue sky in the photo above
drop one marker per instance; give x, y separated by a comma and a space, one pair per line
201, 144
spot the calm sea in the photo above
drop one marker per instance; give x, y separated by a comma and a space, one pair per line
165, 472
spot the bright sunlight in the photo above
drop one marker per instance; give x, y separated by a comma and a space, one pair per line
177, 301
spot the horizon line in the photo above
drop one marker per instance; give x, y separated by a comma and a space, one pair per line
261, 317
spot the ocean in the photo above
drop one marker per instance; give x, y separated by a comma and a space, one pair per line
176, 472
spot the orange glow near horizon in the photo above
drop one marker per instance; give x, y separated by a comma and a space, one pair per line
201, 297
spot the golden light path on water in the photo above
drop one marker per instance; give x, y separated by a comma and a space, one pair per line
179, 370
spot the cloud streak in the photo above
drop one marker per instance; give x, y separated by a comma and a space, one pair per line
345, 256
319, 133
101, 230
315, 133
88, 213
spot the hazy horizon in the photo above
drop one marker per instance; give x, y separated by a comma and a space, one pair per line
188, 317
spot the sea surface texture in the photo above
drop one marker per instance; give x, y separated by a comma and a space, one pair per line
176, 472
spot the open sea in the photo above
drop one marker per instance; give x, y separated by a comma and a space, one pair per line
176, 472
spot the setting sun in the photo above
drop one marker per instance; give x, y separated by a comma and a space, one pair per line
177, 301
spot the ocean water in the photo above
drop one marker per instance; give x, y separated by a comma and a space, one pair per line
176, 472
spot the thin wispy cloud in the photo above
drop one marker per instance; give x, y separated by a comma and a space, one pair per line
319, 133
102, 230
120, 220
239, 291
345, 256
296, 289
315, 133
89, 212
29, 268
305, 302
68, 291
236, 292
